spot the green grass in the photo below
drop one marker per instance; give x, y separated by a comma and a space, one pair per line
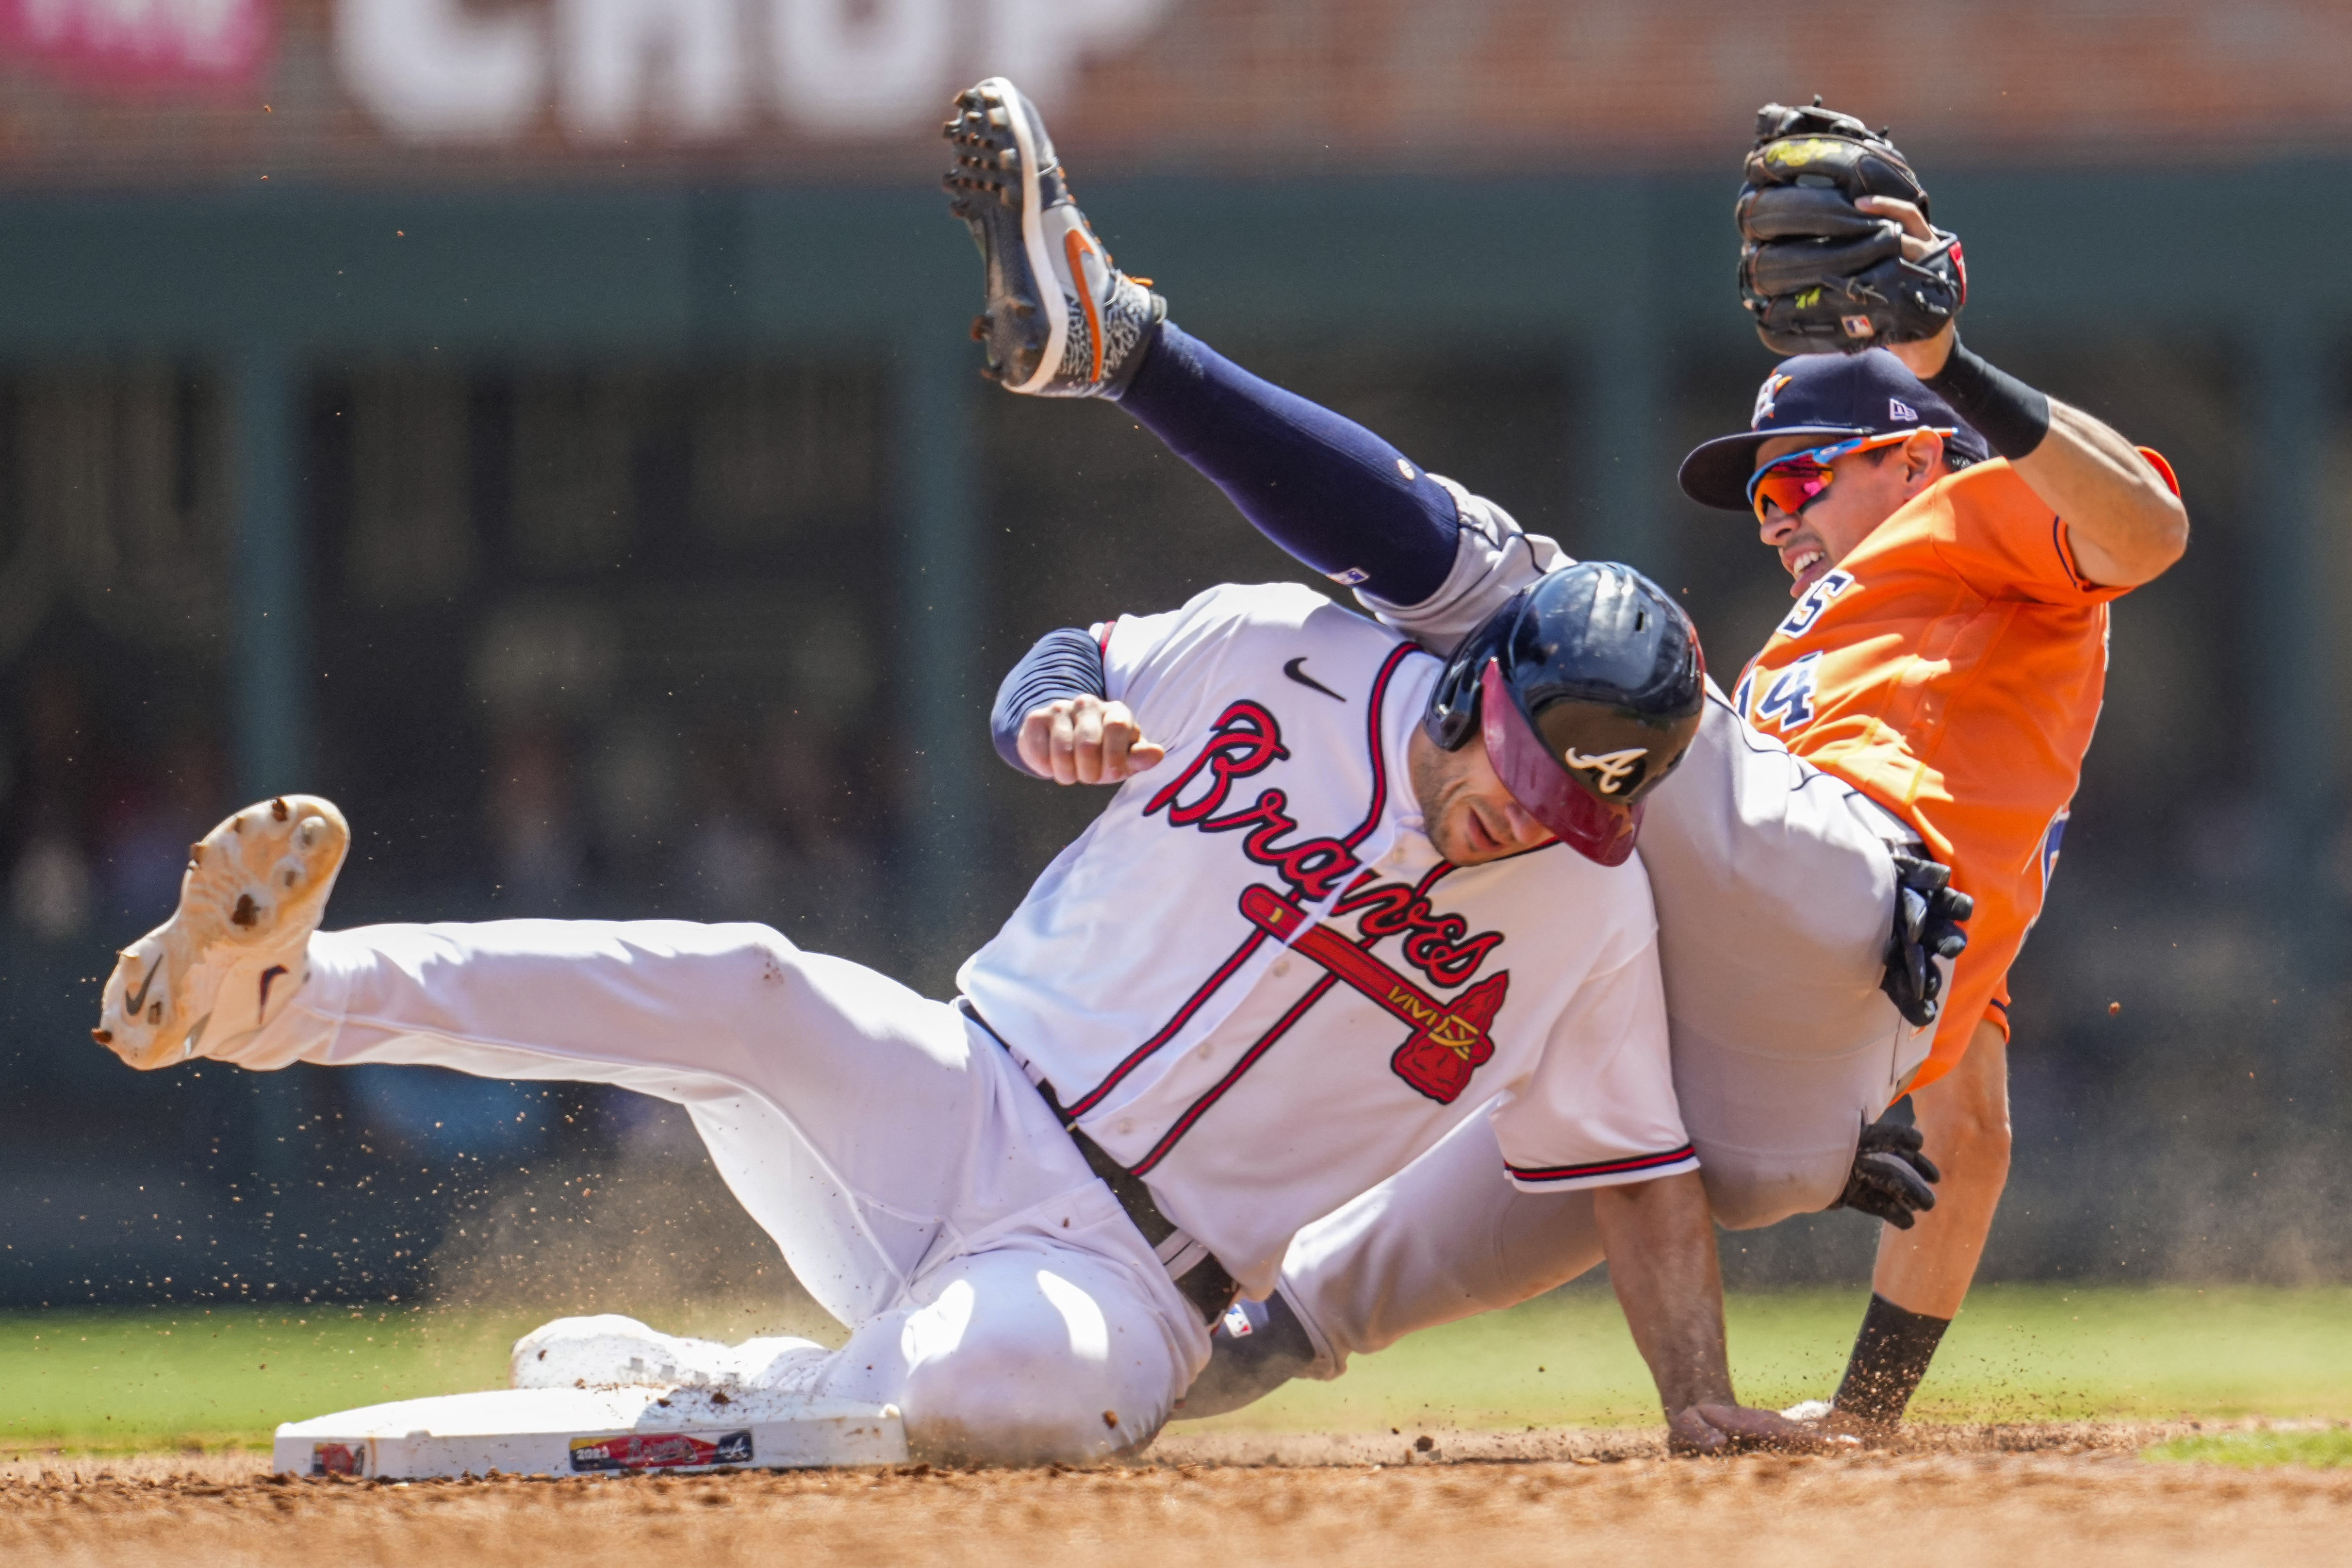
164, 1378
2017, 1353
180, 1376
2322, 1450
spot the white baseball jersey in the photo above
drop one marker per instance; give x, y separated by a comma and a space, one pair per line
1257, 985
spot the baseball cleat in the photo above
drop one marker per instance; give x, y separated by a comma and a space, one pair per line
609, 1350
1061, 321
256, 888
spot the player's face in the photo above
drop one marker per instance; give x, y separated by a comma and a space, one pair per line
1866, 489
1467, 813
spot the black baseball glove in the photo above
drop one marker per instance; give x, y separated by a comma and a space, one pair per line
1927, 914
1891, 1177
1819, 275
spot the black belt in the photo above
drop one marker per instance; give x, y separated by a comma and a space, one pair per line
1205, 1284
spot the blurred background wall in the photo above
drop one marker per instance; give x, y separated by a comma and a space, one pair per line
548, 427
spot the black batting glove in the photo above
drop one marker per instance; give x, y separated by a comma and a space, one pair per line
1891, 1175
1927, 914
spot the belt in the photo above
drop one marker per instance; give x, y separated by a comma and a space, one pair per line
1198, 1277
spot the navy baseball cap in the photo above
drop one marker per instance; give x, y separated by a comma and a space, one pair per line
1831, 396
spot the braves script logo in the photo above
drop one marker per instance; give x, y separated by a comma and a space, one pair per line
1614, 767
1449, 1040
1440, 946
1246, 741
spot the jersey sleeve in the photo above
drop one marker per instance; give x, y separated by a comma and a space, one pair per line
1600, 1109
1166, 668
2004, 541
1493, 558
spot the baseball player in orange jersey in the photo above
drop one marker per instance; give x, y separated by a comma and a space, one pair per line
1947, 656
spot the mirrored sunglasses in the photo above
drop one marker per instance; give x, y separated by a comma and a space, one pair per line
1794, 481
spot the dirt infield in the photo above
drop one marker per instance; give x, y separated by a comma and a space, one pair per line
2014, 1497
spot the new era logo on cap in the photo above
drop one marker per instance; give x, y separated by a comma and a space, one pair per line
1898, 409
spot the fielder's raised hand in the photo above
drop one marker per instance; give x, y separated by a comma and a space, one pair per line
1085, 740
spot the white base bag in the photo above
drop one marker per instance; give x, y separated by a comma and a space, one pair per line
590, 1432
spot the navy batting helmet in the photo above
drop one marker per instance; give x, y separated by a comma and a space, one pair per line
1587, 685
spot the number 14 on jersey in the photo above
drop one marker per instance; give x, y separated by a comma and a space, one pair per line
1788, 701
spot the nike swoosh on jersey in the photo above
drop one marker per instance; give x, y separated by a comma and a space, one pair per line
1300, 675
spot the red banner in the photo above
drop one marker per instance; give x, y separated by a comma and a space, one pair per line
142, 46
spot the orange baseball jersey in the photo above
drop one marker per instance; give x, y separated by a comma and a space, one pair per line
1951, 669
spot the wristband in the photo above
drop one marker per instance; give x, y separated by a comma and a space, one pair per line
2010, 415
1064, 663
1890, 1356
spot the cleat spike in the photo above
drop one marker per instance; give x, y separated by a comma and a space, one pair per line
247, 912
103, 1037
278, 809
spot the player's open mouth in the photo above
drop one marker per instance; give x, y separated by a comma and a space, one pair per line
1803, 564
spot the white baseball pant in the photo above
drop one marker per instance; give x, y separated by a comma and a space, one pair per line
914, 1180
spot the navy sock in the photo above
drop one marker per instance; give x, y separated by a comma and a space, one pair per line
1323, 488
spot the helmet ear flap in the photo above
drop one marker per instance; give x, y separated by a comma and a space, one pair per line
1452, 716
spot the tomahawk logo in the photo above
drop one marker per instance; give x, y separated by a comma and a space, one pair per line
1450, 1040
1614, 767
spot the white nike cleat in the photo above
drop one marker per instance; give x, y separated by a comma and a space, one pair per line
609, 1350
1062, 322
209, 977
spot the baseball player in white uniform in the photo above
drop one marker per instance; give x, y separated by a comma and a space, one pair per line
1804, 935
1368, 897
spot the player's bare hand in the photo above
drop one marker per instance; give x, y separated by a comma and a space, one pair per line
1925, 357
1085, 740
1704, 1430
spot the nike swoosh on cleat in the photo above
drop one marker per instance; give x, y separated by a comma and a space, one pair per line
134, 1005
269, 975
1300, 675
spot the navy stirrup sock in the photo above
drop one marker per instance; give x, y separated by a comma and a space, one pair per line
1323, 488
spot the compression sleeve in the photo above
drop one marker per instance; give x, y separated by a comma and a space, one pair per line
1063, 663
1328, 491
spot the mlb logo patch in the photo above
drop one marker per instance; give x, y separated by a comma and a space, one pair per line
1898, 409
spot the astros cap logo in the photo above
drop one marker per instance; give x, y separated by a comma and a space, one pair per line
1764, 397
